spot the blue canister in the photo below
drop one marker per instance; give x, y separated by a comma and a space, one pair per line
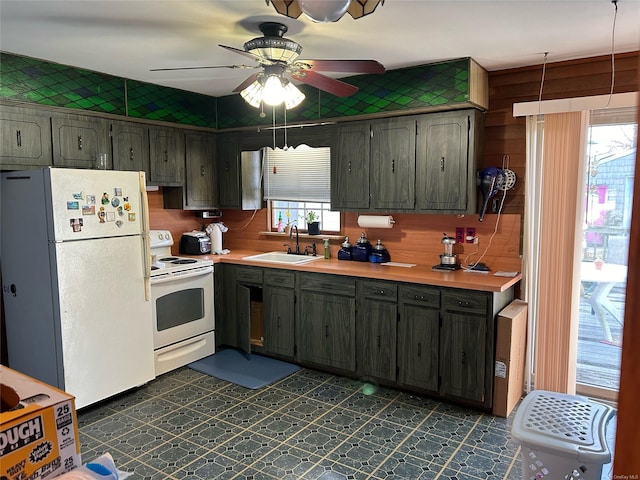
379, 254
361, 250
345, 250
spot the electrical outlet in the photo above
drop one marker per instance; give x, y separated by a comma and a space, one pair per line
460, 234
471, 235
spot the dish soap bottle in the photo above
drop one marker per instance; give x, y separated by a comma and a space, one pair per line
327, 250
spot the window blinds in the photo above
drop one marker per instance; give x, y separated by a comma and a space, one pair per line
299, 174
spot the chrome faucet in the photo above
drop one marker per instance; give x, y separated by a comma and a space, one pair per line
297, 252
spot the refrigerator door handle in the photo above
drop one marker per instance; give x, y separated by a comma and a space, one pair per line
146, 243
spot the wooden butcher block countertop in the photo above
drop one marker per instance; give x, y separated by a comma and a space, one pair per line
419, 274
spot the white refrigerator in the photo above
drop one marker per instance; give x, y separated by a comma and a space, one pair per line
75, 276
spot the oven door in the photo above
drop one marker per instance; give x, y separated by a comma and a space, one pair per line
182, 306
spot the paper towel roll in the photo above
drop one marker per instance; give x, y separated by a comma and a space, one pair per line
375, 221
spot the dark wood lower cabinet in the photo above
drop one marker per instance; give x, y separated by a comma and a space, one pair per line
428, 339
463, 349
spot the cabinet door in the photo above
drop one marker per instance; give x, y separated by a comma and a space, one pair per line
376, 347
418, 346
463, 345
279, 316
393, 164
201, 187
350, 167
228, 159
130, 147
166, 156
77, 140
243, 320
327, 330
445, 171
25, 141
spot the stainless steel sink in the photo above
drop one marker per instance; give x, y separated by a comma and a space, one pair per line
281, 257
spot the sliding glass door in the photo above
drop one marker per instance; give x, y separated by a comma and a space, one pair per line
608, 188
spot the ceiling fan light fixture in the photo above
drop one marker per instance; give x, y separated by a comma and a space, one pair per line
273, 92
253, 94
324, 11
292, 96
273, 45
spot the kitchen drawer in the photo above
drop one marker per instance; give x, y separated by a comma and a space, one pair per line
464, 301
379, 290
429, 297
249, 274
279, 278
325, 283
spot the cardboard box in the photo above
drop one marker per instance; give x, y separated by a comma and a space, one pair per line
38, 429
511, 346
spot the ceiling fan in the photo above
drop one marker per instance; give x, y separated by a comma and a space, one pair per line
277, 57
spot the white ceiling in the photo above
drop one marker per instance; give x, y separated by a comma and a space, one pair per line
127, 38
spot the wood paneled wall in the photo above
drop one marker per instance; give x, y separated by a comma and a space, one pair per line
506, 136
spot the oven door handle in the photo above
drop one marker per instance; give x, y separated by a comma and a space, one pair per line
180, 275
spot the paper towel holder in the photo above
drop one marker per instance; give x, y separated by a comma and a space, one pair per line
375, 221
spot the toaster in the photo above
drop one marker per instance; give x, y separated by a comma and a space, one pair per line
195, 243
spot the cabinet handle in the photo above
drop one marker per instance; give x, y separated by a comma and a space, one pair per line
349, 168
131, 154
442, 164
379, 292
79, 142
393, 166
166, 156
326, 331
419, 297
378, 341
465, 304
278, 323
419, 349
202, 170
463, 357
19, 138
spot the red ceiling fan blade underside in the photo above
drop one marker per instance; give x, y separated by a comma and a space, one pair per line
347, 66
247, 82
322, 82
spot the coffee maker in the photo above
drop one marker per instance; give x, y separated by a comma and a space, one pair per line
448, 260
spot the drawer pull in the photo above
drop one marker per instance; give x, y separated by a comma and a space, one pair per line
349, 168
442, 164
131, 154
419, 298
166, 155
379, 292
419, 349
465, 304
79, 142
378, 341
326, 331
19, 138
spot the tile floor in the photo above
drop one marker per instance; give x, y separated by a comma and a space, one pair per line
310, 425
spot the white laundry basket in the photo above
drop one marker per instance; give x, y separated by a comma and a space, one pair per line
562, 436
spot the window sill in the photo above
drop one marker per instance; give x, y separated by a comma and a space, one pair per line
322, 236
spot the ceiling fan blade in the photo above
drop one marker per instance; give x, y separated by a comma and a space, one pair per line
250, 55
247, 82
351, 66
198, 68
328, 84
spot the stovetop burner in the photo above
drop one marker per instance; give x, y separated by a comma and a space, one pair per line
168, 259
154, 267
183, 261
